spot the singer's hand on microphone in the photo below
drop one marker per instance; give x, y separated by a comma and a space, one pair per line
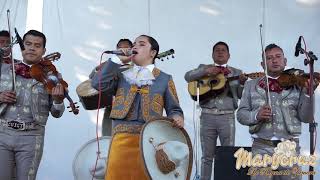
127, 58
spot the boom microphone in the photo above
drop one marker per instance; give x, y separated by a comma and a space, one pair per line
19, 40
298, 47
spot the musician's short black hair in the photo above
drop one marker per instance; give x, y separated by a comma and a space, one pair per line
220, 43
272, 46
154, 45
124, 40
36, 33
5, 33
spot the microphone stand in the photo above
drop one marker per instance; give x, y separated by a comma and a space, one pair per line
313, 125
196, 120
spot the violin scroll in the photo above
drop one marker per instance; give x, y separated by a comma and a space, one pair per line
52, 57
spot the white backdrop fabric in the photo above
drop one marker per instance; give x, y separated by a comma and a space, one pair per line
82, 30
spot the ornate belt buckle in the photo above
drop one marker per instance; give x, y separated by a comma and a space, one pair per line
17, 125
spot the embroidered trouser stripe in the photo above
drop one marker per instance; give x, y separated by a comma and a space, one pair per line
20, 156
38, 150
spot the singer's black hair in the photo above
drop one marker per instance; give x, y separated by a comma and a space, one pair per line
4, 33
124, 40
36, 33
154, 45
271, 46
220, 43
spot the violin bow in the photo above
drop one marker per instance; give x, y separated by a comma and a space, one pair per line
12, 60
264, 59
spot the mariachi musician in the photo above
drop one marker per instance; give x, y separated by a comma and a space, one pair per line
141, 92
217, 115
4, 45
106, 122
24, 111
275, 116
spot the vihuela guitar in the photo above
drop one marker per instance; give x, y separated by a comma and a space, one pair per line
213, 85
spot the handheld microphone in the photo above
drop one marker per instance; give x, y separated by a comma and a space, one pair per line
120, 53
19, 40
298, 47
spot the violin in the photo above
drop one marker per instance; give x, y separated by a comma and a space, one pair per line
295, 77
46, 73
